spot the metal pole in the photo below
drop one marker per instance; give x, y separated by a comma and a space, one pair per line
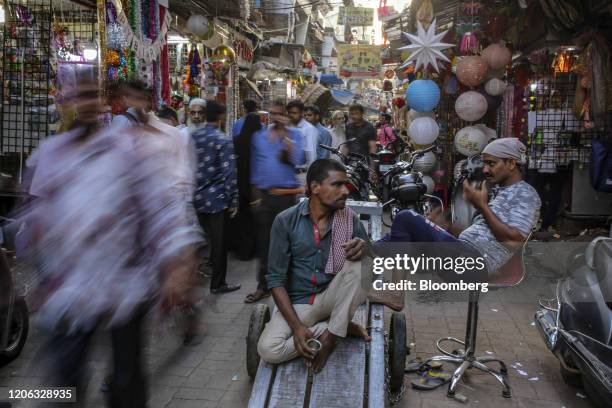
22, 115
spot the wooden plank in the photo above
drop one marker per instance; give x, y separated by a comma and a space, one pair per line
376, 360
261, 385
341, 382
289, 385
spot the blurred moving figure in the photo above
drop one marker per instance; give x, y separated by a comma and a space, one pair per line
168, 116
338, 130
110, 238
248, 106
216, 191
313, 116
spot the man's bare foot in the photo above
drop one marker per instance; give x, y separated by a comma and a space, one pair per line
328, 343
357, 330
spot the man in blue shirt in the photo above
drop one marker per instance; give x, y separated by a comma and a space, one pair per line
275, 153
248, 106
313, 115
216, 191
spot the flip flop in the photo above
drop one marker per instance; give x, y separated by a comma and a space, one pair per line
252, 298
431, 380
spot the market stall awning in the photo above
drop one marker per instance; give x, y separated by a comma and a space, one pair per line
330, 79
341, 98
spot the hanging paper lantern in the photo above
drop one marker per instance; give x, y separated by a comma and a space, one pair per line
423, 131
197, 25
223, 52
399, 102
430, 183
469, 43
471, 70
470, 141
423, 95
497, 56
425, 163
471, 106
495, 87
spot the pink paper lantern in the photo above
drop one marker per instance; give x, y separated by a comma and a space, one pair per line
472, 70
497, 56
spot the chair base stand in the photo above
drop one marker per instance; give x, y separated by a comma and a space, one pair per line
466, 362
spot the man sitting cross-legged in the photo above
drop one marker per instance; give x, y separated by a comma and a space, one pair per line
313, 271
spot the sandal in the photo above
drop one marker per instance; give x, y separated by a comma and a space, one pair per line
256, 296
431, 380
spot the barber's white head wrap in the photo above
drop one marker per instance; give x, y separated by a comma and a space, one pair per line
197, 102
507, 148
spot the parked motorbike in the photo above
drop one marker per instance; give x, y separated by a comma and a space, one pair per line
358, 171
386, 157
14, 315
577, 324
406, 188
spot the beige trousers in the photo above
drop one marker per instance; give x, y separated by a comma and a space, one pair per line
332, 309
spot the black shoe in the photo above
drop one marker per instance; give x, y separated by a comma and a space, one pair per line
225, 289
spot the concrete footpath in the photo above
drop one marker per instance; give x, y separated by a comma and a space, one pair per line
213, 373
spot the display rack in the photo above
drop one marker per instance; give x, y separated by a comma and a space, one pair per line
26, 82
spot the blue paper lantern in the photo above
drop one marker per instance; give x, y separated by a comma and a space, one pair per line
423, 95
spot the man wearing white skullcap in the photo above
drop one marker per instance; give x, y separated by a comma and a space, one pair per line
503, 222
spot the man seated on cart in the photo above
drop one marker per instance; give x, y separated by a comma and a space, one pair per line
314, 272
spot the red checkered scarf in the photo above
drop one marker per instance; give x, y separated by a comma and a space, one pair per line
342, 232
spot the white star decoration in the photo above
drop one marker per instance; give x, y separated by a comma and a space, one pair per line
426, 47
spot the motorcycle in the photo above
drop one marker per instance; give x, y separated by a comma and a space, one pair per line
386, 157
358, 172
406, 188
577, 324
14, 314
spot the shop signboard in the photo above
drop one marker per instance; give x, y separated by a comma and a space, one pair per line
244, 50
356, 16
359, 61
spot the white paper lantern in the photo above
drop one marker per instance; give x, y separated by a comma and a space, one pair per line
425, 163
430, 183
470, 141
471, 106
424, 131
495, 87
197, 24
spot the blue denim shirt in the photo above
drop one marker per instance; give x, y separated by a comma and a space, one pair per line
295, 261
216, 179
324, 138
237, 128
267, 171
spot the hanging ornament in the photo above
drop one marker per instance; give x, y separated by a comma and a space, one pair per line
423, 95
423, 131
471, 106
425, 163
495, 86
112, 58
425, 14
399, 102
114, 36
223, 52
562, 63
430, 183
469, 43
426, 48
197, 25
471, 70
497, 56
470, 141
389, 74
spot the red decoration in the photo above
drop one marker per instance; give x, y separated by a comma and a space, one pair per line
399, 102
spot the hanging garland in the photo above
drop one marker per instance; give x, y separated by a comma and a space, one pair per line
134, 31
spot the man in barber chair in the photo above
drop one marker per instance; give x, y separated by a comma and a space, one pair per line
503, 223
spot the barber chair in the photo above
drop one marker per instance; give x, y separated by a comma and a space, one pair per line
511, 274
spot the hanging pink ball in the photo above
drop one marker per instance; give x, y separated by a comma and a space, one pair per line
497, 56
471, 106
472, 70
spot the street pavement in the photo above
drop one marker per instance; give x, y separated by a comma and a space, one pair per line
213, 373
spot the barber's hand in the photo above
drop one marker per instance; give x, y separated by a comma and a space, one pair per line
354, 249
477, 197
300, 338
232, 212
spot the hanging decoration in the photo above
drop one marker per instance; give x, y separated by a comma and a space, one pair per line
562, 63
425, 14
471, 106
469, 43
200, 26
470, 141
471, 70
497, 56
142, 49
425, 163
495, 86
423, 95
429, 182
221, 61
424, 131
426, 48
